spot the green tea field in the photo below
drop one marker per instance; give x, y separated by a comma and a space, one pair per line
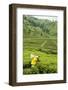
48, 57
40, 38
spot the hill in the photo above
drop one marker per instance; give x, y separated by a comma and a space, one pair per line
40, 34
43, 28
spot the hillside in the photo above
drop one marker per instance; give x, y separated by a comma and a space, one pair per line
34, 27
40, 34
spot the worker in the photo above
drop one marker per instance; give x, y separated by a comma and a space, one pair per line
34, 60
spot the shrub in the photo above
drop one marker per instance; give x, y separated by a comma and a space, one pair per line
35, 70
46, 68
52, 69
27, 64
40, 68
27, 71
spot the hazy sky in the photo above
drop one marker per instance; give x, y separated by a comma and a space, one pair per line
52, 18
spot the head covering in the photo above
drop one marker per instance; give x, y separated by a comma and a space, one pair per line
32, 56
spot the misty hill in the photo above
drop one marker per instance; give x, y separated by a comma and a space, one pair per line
43, 28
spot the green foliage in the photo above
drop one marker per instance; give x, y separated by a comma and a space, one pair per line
41, 69
27, 71
47, 64
40, 38
47, 68
27, 64
34, 70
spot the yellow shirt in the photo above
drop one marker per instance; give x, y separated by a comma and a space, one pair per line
34, 61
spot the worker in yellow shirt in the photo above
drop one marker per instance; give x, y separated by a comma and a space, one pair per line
34, 61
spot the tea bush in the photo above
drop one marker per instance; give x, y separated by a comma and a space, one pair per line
27, 71
40, 68
35, 70
27, 64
